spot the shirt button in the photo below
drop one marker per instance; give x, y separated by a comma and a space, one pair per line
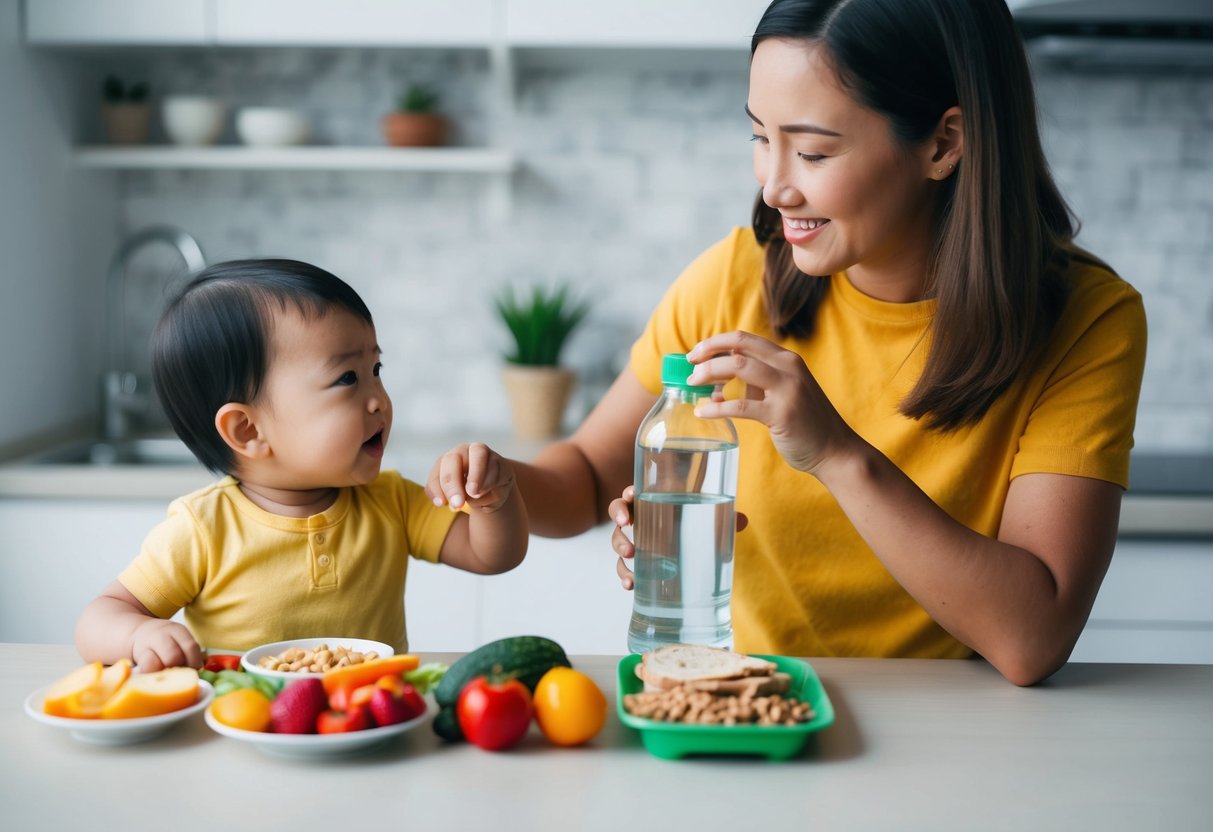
324, 560
319, 538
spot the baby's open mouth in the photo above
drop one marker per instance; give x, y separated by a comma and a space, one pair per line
375, 443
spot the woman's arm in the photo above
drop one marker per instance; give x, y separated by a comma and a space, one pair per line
1020, 600
569, 484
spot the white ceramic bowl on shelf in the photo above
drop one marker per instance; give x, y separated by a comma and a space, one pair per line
193, 119
272, 126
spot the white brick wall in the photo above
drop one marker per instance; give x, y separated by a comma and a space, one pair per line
628, 173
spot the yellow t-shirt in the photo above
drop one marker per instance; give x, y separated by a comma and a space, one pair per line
246, 576
805, 583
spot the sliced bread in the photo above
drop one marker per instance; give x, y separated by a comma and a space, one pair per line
677, 664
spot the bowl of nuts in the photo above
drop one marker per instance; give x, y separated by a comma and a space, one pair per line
297, 657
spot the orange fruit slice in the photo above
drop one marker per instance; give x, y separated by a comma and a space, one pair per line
62, 696
243, 708
152, 694
89, 703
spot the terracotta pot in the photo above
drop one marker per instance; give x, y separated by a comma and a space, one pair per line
414, 129
126, 123
538, 397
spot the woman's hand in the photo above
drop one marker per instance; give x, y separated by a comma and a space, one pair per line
780, 393
471, 473
620, 511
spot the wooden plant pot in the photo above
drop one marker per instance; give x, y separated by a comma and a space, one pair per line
126, 123
414, 129
538, 397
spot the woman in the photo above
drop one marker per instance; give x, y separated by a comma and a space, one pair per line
934, 389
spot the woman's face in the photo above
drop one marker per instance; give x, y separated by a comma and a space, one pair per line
852, 198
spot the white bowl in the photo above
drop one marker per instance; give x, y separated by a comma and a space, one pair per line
117, 731
252, 657
271, 126
193, 119
316, 746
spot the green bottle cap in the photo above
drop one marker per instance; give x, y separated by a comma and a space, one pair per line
676, 369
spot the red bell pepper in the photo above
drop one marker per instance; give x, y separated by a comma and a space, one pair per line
494, 716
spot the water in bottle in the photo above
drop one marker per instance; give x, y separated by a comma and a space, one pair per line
684, 520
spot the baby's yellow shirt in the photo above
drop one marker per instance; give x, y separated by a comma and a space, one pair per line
246, 576
805, 583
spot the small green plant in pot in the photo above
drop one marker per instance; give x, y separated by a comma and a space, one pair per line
416, 121
125, 110
537, 386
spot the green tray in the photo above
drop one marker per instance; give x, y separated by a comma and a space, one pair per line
672, 740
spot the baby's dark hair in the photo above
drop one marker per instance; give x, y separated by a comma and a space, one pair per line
211, 345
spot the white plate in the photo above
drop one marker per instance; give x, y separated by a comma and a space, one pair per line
313, 746
117, 731
361, 645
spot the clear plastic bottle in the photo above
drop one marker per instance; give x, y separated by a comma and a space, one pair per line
684, 519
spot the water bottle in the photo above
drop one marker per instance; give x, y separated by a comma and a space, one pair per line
684, 519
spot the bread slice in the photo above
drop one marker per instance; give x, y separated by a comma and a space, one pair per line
745, 686
677, 664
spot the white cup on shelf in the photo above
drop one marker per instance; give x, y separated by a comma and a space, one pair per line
193, 119
272, 126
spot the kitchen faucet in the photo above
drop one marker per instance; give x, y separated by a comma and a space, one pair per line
123, 394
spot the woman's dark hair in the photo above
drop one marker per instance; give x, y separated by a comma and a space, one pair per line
1001, 218
211, 345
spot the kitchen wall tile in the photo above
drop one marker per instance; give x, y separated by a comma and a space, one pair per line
629, 171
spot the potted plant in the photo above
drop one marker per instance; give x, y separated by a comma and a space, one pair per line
416, 121
125, 111
537, 386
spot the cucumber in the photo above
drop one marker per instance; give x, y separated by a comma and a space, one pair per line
446, 724
525, 658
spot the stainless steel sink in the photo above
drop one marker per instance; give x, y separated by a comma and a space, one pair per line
143, 451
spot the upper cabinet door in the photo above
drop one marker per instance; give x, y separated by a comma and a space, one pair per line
119, 22
633, 23
357, 22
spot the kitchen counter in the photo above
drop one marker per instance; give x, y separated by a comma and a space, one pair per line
916, 744
1151, 508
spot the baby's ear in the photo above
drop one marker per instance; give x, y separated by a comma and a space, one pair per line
234, 422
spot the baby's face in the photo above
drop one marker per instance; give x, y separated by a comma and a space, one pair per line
323, 409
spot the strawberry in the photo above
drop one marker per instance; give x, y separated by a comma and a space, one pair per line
387, 709
295, 709
339, 722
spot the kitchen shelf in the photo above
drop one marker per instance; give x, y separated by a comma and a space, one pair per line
432, 160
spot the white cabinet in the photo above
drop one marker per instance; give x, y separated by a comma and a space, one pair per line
1155, 605
633, 23
676, 24
565, 590
56, 555
449, 23
119, 22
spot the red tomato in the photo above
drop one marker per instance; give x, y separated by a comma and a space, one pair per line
494, 716
339, 722
221, 661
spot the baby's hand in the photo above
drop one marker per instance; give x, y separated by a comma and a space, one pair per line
157, 644
471, 473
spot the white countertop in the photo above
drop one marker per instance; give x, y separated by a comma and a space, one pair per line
1142, 514
916, 744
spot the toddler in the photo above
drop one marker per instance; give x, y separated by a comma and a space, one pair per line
269, 372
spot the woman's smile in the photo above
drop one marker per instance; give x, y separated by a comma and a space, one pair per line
800, 231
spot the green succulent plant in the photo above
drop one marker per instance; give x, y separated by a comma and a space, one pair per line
115, 91
418, 98
539, 324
